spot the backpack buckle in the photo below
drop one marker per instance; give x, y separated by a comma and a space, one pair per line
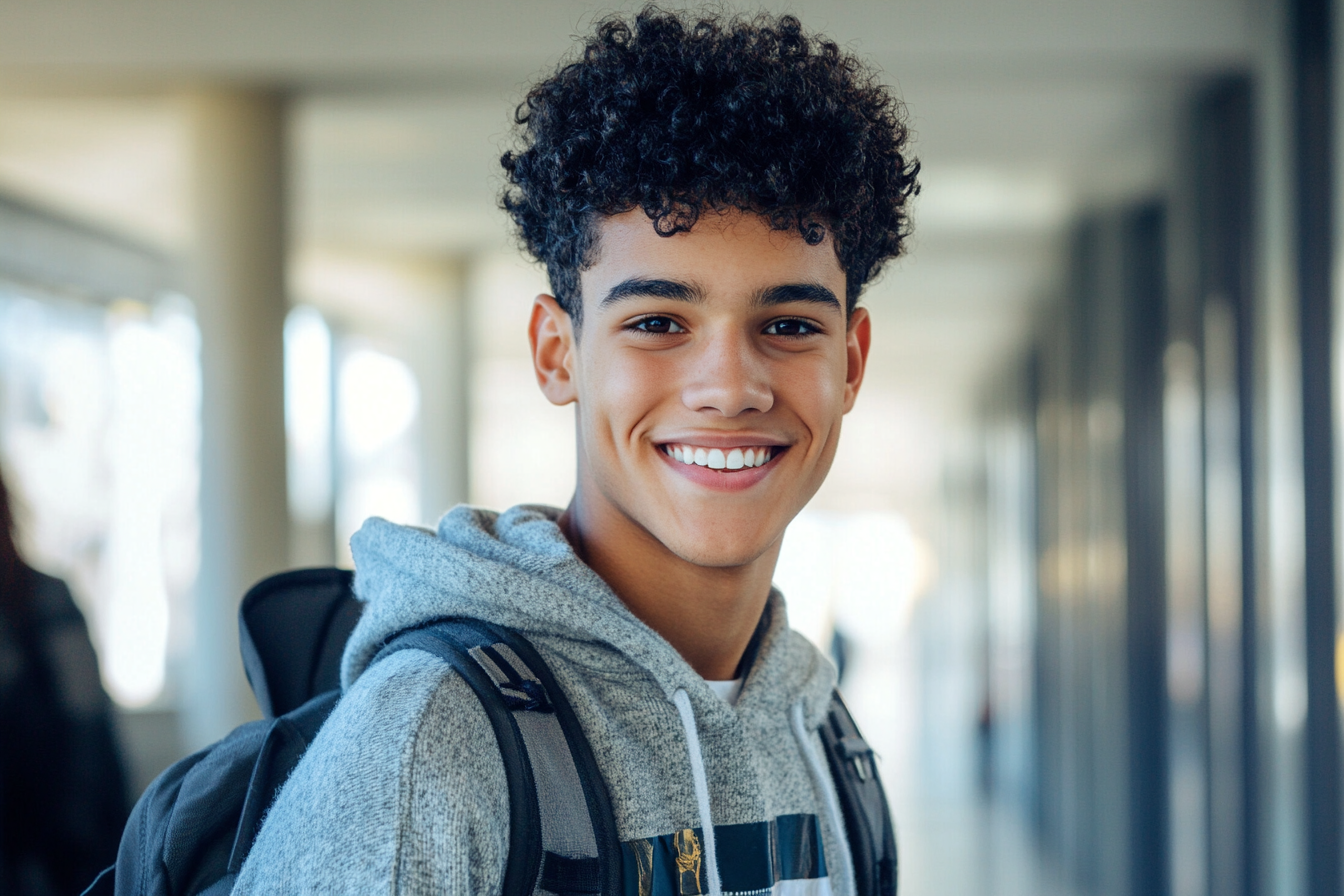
517, 685
530, 696
858, 753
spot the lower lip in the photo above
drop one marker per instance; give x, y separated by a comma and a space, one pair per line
723, 480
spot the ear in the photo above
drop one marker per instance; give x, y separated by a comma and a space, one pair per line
858, 335
551, 334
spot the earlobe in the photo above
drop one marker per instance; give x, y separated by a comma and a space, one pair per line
551, 333
857, 340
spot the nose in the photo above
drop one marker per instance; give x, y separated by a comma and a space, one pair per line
728, 376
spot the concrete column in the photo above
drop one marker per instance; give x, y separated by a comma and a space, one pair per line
438, 348
238, 284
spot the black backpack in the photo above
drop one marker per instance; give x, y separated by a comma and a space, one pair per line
193, 827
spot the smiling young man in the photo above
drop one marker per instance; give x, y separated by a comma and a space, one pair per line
709, 374
709, 197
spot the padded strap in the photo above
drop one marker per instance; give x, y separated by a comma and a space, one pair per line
605, 875
452, 641
872, 837
562, 831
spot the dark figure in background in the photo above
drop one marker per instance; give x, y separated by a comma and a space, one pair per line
62, 791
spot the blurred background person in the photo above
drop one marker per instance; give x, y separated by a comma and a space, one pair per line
62, 792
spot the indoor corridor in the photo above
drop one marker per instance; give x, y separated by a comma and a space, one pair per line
1077, 556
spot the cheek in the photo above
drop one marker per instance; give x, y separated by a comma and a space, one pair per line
620, 389
816, 392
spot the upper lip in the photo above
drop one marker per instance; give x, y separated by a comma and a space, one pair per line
724, 440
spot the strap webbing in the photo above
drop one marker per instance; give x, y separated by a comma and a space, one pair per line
871, 834
451, 641
600, 812
515, 685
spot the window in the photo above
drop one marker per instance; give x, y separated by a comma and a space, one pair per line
100, 436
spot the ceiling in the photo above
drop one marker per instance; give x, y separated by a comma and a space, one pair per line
316, 43
1024, 111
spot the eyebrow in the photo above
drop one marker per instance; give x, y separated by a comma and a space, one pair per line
656, 289
783, 294
814, 293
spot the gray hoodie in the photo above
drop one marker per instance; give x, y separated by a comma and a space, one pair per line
403, 791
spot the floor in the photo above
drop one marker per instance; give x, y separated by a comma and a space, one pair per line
952, 839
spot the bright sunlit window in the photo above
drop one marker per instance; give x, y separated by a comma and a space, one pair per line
100, 434
860, 573
378, 412
308, 414
522, 447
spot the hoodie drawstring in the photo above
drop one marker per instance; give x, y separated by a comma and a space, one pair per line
821, 777
683, 703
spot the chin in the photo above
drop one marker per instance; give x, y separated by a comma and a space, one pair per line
716, 552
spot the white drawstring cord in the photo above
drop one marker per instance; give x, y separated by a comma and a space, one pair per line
821, 775
683, 703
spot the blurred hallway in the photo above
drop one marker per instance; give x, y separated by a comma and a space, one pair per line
1080, 540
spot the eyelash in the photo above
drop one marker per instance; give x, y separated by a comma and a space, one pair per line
638, 326
810, 328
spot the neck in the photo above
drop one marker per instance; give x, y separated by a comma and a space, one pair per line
707, 614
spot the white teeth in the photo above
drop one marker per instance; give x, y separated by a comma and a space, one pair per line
718, 458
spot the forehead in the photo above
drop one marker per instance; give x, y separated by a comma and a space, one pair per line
729, 253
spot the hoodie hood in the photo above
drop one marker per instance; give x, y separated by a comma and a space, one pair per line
518, 570
399, 792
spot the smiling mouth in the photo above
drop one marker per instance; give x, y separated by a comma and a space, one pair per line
726, 460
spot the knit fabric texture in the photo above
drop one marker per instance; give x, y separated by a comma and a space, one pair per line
403, 791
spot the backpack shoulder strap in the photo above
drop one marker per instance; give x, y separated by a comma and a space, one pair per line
552, 776
287, 738
872, 837
573, 874
452, 641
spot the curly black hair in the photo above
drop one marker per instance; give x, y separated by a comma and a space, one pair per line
676, 116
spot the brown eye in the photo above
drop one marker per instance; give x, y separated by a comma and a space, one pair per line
659, 325
790, 327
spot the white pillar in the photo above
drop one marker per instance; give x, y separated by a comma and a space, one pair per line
238, 284
438, 348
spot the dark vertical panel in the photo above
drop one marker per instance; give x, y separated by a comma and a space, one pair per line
1031, 403
1087, 488
1224, 173
1312, 114
1045, 650
1102, 536
1051, 424
1251, 829
1144, 283
1063, 659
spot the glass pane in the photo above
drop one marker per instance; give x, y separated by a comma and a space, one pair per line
100, 432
